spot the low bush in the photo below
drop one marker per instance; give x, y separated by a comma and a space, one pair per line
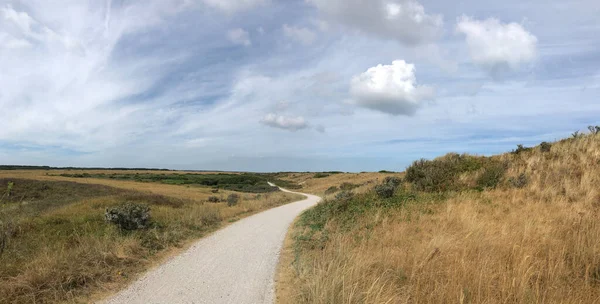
545, 147
213, 199
388, 187
385, 190
491, 176
233, 199
444, 173
129, 216
344, 196
520, 149
331, 190
321, 175
395, 181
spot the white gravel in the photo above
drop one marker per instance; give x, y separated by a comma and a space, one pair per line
234, 265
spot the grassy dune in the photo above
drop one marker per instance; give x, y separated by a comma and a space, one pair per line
531, 236
55, 245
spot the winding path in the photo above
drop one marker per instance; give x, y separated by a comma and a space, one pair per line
234, 265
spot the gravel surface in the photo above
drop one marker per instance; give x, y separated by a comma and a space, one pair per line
234, 265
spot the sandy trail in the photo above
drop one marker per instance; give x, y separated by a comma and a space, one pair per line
234, 265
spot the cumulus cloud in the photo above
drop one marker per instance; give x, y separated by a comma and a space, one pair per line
239, 36
403, 20
390, 89
498, 46
284, 122
233, 6
300, 34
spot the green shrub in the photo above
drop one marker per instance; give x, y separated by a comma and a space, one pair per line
594, 129
321, 175
392, 180
129, 216
443, 174
344, 196
233, 199
545, 147
385, 190
388, 187
9, 188
491, 175
213, 199
518, 182
332, 189
520, 149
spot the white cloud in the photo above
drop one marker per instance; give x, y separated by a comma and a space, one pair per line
495, 45
284, 122
10, 42
390, 89
403, 20
239, 36
234, 6
301, 34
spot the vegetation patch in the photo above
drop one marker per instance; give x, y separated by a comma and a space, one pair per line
448, 173
245, 182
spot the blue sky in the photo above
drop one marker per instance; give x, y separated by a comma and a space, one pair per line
291, 85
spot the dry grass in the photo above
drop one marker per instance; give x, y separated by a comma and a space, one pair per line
60, 249
318, 186
537, 244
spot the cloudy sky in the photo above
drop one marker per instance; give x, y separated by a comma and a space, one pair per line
269, 85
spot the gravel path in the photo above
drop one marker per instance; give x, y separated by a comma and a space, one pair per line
234, 265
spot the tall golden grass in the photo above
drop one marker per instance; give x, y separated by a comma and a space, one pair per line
536, 244
70, 254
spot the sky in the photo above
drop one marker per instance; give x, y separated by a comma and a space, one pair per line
291, 85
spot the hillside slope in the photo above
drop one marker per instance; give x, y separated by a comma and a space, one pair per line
514, 228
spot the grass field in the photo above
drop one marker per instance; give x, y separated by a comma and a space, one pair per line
55, 245
521, 227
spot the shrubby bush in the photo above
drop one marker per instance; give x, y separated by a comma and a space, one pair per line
545, 147
233, 199
213, 199
332, 189
344, 196
520, 149
129, 216
443, 174
491, 176
321, 175
388, 187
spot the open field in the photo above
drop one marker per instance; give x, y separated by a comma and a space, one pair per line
521, 227
55, 245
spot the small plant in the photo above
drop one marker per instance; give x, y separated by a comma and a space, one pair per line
576, 134
594, 129
392, 180
331, 190
545, 147
385, 190
491, 176
213, 199
129, 216
344, 196
388, 187
233, 199
518, 182
9, 189
520, 149
321, 175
